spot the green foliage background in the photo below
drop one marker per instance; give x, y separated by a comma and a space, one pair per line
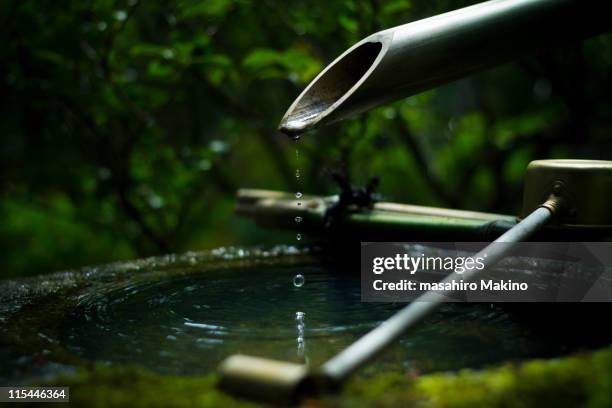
127, 126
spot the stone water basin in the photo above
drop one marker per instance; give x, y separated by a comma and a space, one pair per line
183, 314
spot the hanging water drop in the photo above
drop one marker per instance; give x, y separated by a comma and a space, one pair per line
298, 195
298, 219
298, 237
297, 174
298, 282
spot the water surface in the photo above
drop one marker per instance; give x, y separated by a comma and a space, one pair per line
189, 325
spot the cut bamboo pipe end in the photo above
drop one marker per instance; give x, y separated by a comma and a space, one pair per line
262, 379
270, 380
323, 100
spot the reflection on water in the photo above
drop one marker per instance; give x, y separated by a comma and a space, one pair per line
188, 325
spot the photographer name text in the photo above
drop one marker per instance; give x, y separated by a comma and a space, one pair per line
460, 285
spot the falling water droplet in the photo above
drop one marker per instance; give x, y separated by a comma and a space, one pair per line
298, 237
297, 174
301, 344
298, 195
298, 282
298, 219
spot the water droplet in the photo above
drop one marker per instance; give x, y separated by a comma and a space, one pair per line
297, 174
301, 343
299, 203
298, 237
298, 195
298, 219
298, 282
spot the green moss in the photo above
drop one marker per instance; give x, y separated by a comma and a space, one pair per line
135, 387
581, 380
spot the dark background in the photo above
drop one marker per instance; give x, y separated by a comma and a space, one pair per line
127, 127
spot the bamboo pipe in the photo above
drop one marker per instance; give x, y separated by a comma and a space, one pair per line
369, 346
385, 220
411, 58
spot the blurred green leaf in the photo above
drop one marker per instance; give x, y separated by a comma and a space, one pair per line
395, 6
208, 8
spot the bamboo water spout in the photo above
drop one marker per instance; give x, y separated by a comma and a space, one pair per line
411, 58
